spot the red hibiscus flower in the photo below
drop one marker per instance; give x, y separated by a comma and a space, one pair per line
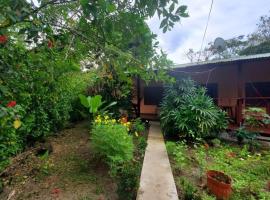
11, 104
3, 39
50, 44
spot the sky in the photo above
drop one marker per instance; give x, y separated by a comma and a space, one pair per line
229, 18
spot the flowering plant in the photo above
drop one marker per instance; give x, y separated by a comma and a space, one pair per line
10, 139
107, 120
111, 141
3, 39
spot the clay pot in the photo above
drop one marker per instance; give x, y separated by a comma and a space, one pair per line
219, 184
268, 185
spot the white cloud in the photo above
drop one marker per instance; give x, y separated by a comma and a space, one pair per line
228, 19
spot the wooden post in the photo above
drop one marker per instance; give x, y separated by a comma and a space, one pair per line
240, 94
138, 96
268, 107
239, 111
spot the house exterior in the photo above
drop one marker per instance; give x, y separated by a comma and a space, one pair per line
234, 84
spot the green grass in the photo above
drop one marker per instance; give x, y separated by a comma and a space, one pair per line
249, 171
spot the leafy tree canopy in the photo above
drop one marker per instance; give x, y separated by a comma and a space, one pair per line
254, 43
100, 32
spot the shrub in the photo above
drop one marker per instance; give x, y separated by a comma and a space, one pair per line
128, 180
178, 151
10, 135
112, 143
46, 89
188, 112
137, 126
256, 117
189, 190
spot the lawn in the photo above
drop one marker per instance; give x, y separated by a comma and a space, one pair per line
249, 170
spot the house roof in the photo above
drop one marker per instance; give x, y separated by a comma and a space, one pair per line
224, 61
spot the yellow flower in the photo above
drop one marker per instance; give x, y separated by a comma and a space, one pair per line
136, 133
17, 124
106, 117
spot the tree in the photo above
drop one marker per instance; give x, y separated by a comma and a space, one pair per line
254, 43
104, 31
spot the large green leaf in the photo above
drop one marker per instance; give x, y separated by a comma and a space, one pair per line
95, 102
84, 100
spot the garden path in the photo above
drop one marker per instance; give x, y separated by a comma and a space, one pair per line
157, 181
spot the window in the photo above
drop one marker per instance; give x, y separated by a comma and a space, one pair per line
212, 90
257, 89
153, 95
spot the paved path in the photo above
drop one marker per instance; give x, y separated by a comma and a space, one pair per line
157, 181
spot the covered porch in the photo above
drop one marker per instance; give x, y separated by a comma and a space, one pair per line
234, 84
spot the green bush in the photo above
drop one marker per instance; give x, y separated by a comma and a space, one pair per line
112, 143
190, 191
10, 123
128, 180
45, 86
188, 112
137, 126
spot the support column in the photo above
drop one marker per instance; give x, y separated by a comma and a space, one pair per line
240, 94
138, 96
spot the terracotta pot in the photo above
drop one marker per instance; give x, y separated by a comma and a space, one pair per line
219, 188
268, 185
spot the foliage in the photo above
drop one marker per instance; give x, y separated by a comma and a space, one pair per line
128, 176
94, 103
256, 117
128, 180
112, 143
44, 104
189, 190
10, 132
255, 43
44, 44
200, 156
178, 152
216, 142
137, 126
242, 133
249, 172
122, 152
263, 47
188, 112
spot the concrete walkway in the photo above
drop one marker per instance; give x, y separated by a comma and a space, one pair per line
157, 181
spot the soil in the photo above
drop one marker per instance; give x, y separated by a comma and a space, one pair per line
69, 172
222, 178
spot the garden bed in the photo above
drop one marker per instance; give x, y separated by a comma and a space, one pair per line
70, 171
249, 172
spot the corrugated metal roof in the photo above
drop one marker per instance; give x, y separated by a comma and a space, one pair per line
223, 61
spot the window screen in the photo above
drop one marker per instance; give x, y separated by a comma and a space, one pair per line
257, 89
153, 95
212, 90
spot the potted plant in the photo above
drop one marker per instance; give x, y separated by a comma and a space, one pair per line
219, 184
